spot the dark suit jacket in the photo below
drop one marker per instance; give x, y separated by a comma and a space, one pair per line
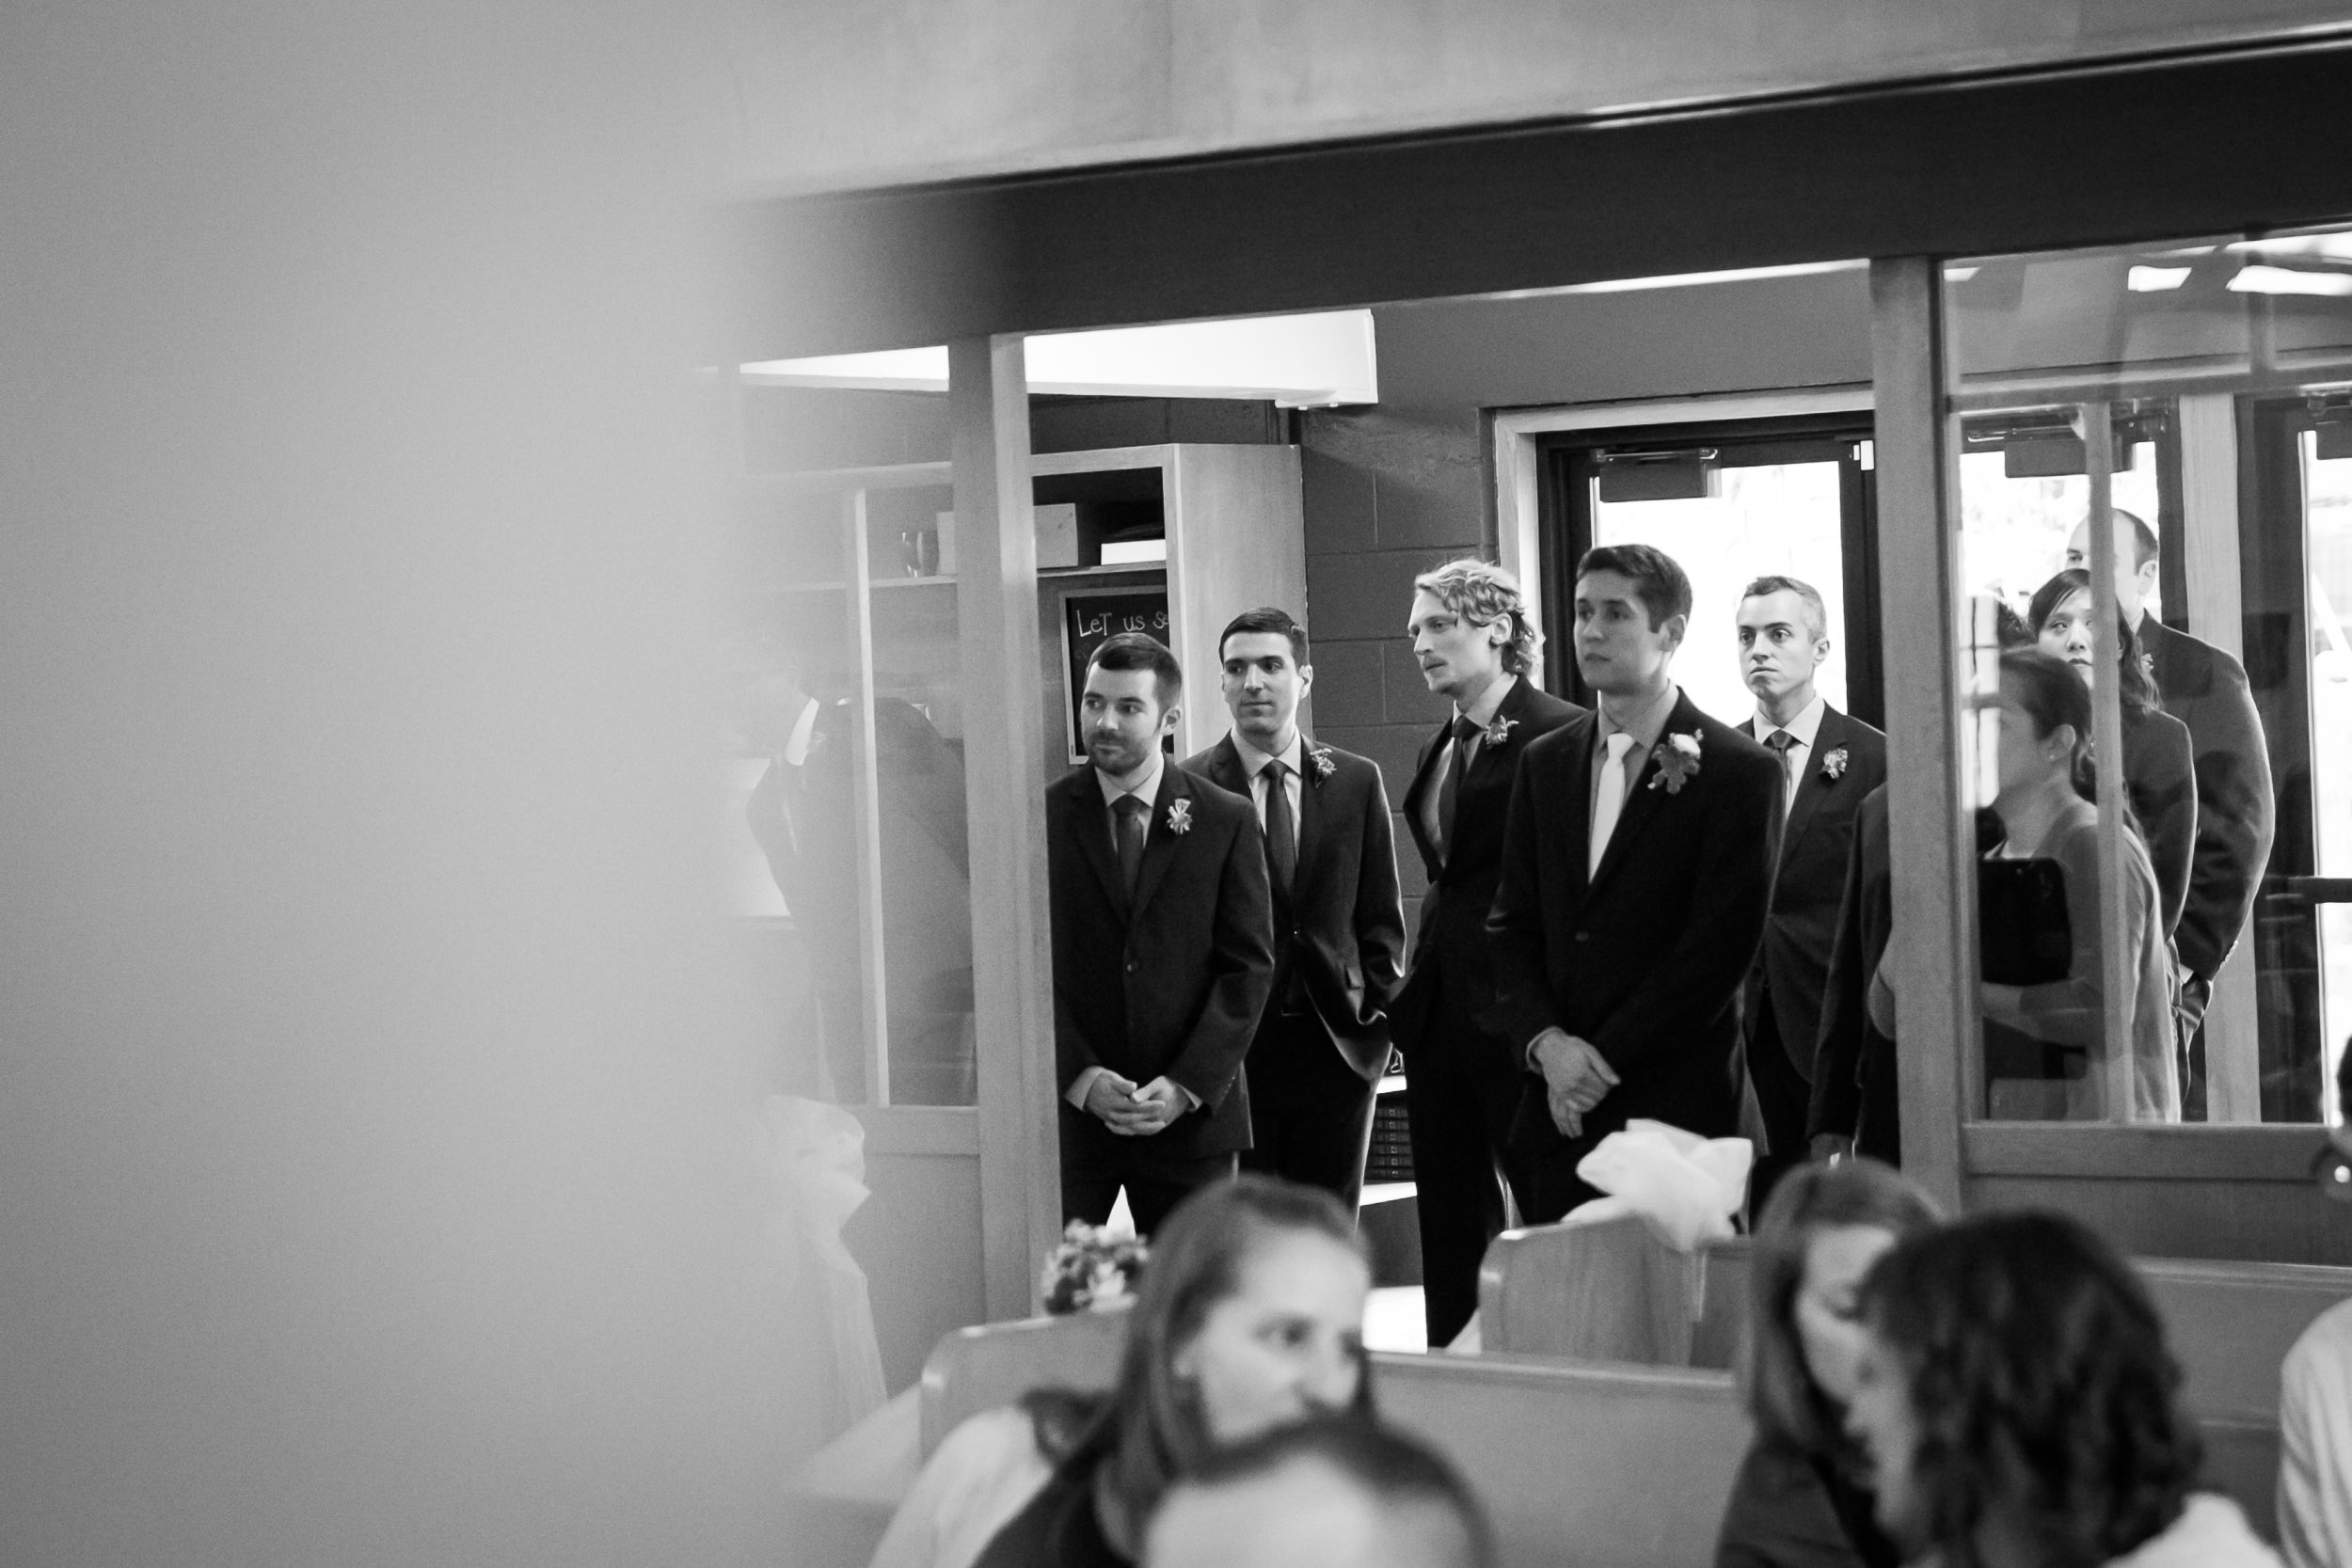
1645, 960
1816, 842
1449, 951
1853, 1065
2205, 688
1340, 929
2160, 778
1172, 984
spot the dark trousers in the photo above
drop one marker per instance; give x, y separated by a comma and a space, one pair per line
1310, 1110
1460, 1090
1783, 1095
1090, 1183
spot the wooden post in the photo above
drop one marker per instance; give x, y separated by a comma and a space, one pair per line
2118, 984
865, 788
1932, 957
1004, 794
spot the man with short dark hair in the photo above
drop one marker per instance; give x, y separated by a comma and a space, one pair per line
1315, 1063
1829, 761
1637, 873
1476, 647
1341, 1492
2204, 688
1163, 950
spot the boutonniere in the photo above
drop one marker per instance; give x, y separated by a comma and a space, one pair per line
1498, 733
1834, 764
1319, 759
1678, 761
1180, 815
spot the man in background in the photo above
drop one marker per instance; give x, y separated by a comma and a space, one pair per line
1637, 875
1476, 648
1163, 950
1322, 1044
2205, 688
1829, 761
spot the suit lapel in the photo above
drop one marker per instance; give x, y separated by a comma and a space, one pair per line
1641, 802
1159, 842
1578, 806
1813, 782
1090, 825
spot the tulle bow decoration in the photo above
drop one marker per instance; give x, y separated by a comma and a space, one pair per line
1685, 1187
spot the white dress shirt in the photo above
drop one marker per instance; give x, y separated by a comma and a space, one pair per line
1253, 763
1645, 725
1480, 713
1801, 729
1147, 787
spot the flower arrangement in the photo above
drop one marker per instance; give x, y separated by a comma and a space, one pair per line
1834, 764
1091, 1270
1498, 733
1179, 817
1322, 761
1678, 761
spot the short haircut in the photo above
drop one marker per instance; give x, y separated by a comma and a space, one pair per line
1269, 620
1810, 1199
1483, 591
1658, 581
1395, 1471
1805, 591
2144, 548
1134, 650
2042, 1388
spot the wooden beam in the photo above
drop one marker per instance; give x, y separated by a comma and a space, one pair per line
2117, 980
1004, 795
866, 789
1932, 957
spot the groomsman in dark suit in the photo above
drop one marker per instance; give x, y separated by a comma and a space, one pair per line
2205, 688
1163, 950
1338, 930
1829, 761
1475, 645
1637, 875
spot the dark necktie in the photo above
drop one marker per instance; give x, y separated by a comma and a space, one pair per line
1465, 731
1127, 812
1778, 743
1281, 834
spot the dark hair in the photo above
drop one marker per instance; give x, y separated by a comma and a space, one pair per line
1134, 650
1268, 619
1394, 1471
2041, 1388
1658, 582
2143, 537
2136, 689
1781, 1393
1482, 592
1149, 1430
2052, 694
1775, 583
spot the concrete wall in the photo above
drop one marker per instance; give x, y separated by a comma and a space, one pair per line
833, 95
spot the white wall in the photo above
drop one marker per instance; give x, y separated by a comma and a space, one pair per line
373, 1176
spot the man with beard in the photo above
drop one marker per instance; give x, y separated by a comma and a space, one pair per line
1163, 950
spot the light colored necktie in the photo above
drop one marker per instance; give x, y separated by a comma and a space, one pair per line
1612, 800
1783, 745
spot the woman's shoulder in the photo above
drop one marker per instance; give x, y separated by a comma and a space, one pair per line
1780, 1514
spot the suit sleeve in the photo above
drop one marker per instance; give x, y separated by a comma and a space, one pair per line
1380, 908
1072, 1055
1524, 1005
2165, 801
2234, 821
1739, 847
1836, 1103
1241, 973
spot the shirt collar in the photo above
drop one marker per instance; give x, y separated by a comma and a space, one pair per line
1804, 727
1253, 761
1148, 787
1482, 712
1647, 725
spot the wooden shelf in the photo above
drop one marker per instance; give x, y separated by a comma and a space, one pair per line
1126, 568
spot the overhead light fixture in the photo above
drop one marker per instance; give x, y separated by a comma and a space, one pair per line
2150, 280
2332, 244
2256, 278
1682, 279
1960, 274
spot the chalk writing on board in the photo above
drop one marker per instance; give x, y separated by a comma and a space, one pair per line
1093, 616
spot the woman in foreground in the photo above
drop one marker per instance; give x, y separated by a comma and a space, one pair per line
2018, 1407
1797, 1501
1250, 1317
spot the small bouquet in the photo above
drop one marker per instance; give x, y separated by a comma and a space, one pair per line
1091, 1270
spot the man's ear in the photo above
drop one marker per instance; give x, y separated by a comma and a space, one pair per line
1674, 628
1168, 718
1306, 678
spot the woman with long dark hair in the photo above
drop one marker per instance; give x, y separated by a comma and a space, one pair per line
1800, 1499
2018, 1407
1248, 1317
2159, 761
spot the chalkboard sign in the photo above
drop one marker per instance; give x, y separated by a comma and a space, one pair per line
1090, 617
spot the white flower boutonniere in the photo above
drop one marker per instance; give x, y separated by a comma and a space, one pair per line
1319, 759
1498, 733
1834, 764
1678, 761
1179, 817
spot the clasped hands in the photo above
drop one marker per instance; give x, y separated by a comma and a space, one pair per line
1576, 1077
1132, 1111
